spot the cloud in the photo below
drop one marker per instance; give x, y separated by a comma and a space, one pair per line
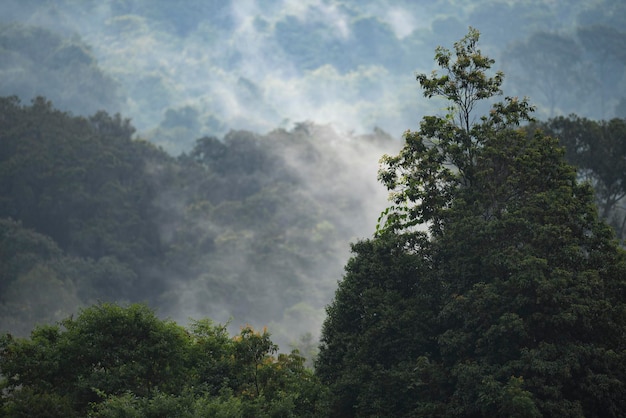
402, 21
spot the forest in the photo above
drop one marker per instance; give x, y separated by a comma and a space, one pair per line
173, 245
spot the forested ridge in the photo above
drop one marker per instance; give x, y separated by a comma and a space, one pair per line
247, 227
234, 227
143, 273
208, 67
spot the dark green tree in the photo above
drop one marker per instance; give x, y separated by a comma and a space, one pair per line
113, 361
39, 283
377, 325
604, 45
85, 183
516, 290
598, 150
550, 66
107, 350
80, 181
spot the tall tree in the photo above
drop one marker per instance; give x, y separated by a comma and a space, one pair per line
550, 66
598, 150
516, 287
605, 47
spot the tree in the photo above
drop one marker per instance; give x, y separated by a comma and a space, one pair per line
107, 350
377, 325
515, 288
605, 47
124, 361
41, 284
85, 183
598, 150
550, 66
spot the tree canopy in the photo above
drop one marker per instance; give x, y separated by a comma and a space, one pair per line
598, 150
113, 361
491, 288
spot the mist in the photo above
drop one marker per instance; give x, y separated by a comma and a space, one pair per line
324, 197
339, 75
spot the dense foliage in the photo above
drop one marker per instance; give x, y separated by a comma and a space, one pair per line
248, 226
113, 361
492, 288
598, 150
493, 285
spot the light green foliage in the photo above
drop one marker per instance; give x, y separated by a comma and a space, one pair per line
252, 349
513, 285
124, 361
443, 154
465, 81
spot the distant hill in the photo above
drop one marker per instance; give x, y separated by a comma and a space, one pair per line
247, 228
211, 66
